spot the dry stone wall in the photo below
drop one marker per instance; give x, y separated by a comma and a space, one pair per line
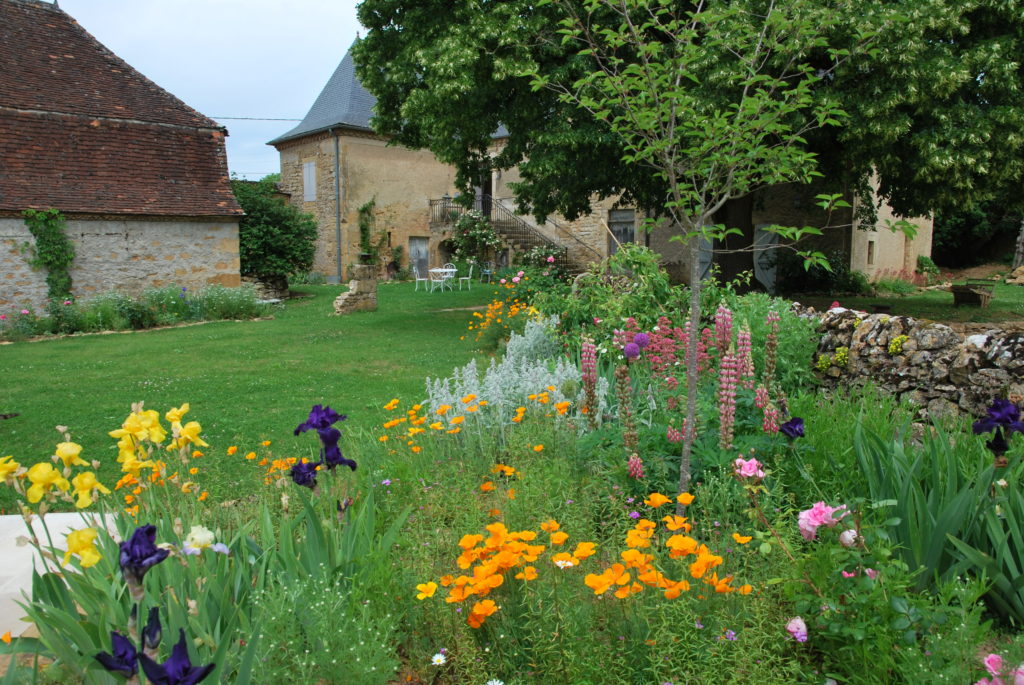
121, 255
929, 363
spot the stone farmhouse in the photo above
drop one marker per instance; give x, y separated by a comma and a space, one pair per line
140, 176
332, 163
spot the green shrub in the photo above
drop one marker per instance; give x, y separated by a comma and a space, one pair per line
275, 240
840, 280
894, 286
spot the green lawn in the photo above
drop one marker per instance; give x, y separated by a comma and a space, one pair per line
246, 381
935, 305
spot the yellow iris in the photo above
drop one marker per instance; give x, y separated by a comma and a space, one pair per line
82, 543
142, 425
68, 453
188, 435
8, 467
43, 478
84, 485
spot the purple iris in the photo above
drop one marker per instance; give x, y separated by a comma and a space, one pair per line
793, 429
330, 451
631, 350
153, 631
139, 554
124, 660
304, 474
1003, 419
642, 340
177, 670
320, 418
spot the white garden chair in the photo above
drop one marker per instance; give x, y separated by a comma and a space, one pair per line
438, 280
419, 279
468, 278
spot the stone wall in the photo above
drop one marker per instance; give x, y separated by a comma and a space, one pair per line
928, 363
123, 255
362, 292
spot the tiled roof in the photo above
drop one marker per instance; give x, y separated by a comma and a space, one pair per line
82, 131
103, 166
343, 102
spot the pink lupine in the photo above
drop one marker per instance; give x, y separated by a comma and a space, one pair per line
635, 467
723, 329
728, 376
674, 435
771, 346
588, 370
744, 358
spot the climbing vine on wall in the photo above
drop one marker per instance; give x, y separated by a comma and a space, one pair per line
53, 250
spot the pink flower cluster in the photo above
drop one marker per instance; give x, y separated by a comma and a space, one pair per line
635, 467
797, 629
744, 358
748, 468
869, 572
817, 516
994, 665
728, 379
770, 423
588, 362
723, 330
674, 435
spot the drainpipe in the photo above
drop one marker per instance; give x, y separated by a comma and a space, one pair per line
337, 202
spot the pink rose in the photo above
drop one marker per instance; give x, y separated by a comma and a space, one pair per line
502, 281
993, 664
848, 574
834, 305
24, 311
871, 573
750, 468
819, 515
3, 317
849, 538
798, 629
551, 260
515, 279
521, 274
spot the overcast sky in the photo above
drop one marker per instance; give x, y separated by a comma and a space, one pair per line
230, 58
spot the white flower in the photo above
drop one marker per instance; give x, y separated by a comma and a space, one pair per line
849, 538
438, 659
200, 538
495, 681
564, 563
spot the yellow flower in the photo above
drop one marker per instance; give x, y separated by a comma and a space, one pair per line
250, 456
550, 526
426, 590
232, 450
68, 453
443, 409
85, 484
741, 539
188, 434
685, 499
437, 425
142, 425
133, 466
487, 487
392, 404
528, 573
559, 538
44, 477
562, 407
456, 420
468, 398
584, 550
82, 543
174, 415
8, 467
538, 448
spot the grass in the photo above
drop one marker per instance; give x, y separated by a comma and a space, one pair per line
936, 305
246, 381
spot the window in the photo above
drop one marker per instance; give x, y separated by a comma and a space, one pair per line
309, 181
871, 252
622, 223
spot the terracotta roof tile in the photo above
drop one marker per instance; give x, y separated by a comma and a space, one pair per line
82, 131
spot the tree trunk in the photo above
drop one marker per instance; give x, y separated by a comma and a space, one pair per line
692, 368
737, 214
1018, 255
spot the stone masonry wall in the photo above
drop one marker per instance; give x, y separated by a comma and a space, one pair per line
123, 255
928, 363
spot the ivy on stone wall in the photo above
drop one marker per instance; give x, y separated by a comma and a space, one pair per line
53, 250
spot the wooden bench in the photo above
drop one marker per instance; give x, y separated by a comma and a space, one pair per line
973, 293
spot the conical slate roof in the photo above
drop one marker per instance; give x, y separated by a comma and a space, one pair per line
342, 102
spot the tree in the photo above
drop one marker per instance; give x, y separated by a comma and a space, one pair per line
275, 240
935, 111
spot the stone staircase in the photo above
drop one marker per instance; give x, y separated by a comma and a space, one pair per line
517, 233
